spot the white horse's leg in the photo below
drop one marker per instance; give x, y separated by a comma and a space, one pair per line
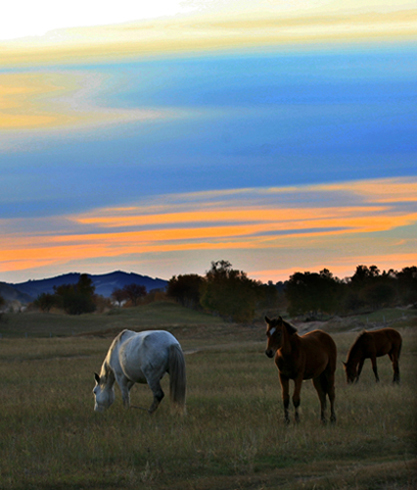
125, 386
158, 394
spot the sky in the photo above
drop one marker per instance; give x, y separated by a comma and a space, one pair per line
279, 136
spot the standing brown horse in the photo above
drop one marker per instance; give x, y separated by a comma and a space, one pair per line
310, 356
372, 345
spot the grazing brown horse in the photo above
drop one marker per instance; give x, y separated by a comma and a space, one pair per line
370, 345
310, 356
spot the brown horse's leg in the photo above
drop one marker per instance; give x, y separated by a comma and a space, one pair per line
394, 359
332, 396
296, 396
319, 384
360, 366
374, 368
285, 391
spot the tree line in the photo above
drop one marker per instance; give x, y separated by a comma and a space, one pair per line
231, 294
79, 298
74, 299
223, 291
368, 289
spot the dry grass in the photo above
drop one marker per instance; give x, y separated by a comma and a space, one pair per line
232, 438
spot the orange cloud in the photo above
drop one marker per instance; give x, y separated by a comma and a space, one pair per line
21, 97
220, 215
380, 190
224, 225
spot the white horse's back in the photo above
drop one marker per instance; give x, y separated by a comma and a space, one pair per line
144, 357
138, 353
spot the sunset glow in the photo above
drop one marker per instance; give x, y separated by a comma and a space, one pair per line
107, 233
279, 136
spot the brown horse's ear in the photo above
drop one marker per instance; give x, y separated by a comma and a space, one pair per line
267, 320
97, 378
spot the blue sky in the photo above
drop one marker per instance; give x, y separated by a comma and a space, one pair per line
294, 127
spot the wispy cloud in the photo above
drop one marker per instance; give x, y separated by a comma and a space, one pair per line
264, 222
213, 31
54, 100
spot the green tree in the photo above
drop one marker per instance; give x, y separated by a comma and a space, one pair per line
369, 288
186, 289
364, 276
313, 293
2, 314
379, 294
407, 285
85, 285
78, 298
229, 292
45, 302
269, 297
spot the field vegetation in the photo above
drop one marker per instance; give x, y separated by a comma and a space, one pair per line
233, 436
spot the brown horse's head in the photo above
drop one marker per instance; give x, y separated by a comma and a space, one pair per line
351, 372
275, 334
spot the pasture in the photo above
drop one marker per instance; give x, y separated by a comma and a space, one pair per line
233, 437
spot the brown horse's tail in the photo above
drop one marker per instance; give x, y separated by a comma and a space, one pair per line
177, 377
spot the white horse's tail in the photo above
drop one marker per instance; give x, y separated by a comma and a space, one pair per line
177, 377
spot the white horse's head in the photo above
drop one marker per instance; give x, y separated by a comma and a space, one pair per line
103, 395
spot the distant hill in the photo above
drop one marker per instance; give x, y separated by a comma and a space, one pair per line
104, 284
10, 293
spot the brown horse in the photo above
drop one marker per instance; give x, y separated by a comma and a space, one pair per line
370, 345
310, 356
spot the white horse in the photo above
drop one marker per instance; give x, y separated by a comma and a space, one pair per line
142, 357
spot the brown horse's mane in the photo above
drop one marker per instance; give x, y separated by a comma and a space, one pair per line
290, 328
356, 345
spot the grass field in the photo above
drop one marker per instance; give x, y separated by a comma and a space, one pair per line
233, 437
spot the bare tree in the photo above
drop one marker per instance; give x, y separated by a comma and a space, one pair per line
134, 292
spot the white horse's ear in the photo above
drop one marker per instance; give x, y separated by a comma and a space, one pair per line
97, 378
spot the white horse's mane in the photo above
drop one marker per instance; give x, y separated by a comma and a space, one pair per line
106, 369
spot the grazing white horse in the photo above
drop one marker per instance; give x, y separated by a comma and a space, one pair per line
141, 357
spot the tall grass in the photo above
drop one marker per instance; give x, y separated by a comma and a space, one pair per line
234, 435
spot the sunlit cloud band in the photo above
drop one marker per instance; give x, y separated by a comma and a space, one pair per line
255, 220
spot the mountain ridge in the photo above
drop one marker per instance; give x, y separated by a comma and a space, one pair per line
28, 291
